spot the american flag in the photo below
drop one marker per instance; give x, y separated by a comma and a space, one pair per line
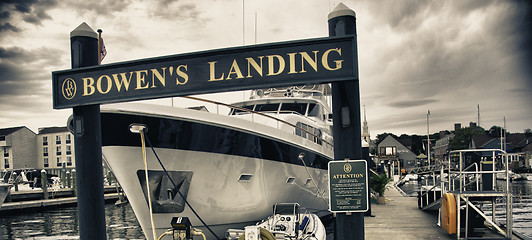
103, 52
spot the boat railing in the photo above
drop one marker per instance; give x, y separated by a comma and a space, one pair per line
429, 190
262, 114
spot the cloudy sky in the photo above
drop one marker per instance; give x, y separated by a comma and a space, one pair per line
414, 56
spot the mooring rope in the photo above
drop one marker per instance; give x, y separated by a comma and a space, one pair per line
175, 186
147, 182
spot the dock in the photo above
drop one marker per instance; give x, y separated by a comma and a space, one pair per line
400, 218
30, 200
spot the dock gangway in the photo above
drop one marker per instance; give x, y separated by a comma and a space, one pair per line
471, 183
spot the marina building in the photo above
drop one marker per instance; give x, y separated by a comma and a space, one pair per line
441, 147
51, 149
392, 151
18, 148
55, 149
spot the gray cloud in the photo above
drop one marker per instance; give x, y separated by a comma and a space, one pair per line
412, 103
22, 70
32, 11
173, 10
101, 8
468, 46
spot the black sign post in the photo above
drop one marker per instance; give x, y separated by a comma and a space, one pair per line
88, 143
346, 119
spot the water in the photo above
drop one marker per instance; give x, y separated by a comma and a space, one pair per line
62, 223
522, 204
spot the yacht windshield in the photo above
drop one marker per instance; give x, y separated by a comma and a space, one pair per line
300, 108
240, 111
267, 107
314, 110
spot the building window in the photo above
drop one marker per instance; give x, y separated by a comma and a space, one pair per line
6, 152
388, 151
68, 139
45, 141
69, 161
46, 164
68, 150
58, 151
57, 139
59, 162
45, 151
2, 138
6, 163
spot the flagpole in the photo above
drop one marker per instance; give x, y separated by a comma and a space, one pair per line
428, 138
100, 47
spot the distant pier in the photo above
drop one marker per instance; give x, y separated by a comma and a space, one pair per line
25, 200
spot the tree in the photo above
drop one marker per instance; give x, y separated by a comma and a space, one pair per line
495, 131
462, 137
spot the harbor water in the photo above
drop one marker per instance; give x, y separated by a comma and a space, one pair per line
522, 204
62, 223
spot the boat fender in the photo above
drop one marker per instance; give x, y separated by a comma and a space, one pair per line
264, 235
448, 213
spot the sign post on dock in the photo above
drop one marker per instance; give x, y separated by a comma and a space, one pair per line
88, 143
311, 61
346, 119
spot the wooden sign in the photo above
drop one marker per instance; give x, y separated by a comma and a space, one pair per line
310, 61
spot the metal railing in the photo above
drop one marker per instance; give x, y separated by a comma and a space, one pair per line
262, 115
464, 195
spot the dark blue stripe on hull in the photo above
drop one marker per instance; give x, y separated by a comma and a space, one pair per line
193, 136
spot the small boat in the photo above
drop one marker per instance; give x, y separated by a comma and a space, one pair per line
286, 223
4, 191
409, 177
527, 176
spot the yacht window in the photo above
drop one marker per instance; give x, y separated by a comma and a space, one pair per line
317, 137
314, 134
300, 108
239, 111
300, 132
267, 107
314, 110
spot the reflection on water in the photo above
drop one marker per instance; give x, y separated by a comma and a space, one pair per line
62, 223
522, 204
121, 222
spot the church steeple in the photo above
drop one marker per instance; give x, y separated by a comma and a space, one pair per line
365, 128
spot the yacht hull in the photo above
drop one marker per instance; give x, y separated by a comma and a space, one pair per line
231, 177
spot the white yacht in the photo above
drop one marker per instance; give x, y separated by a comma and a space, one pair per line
231, 169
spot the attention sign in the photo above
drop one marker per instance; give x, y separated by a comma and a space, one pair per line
310, 61
348, 186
